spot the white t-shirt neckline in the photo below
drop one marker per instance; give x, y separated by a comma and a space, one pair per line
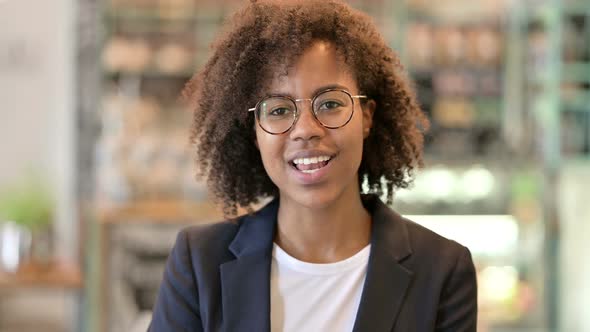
316, 296
354, 261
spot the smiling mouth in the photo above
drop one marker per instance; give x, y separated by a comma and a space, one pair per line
311, 165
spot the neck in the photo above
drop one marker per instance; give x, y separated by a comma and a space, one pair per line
323, 234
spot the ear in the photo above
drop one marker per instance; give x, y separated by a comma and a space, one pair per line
368, 111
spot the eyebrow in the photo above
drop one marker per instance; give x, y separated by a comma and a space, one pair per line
318, 90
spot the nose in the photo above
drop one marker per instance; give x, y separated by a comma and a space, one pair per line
306, 127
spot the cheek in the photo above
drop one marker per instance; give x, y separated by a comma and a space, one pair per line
270, 150
354, 141
261, 145
354, 132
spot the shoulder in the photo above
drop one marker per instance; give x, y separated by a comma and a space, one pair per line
209, 241
425, 240
219, 242
408, 240
433, 251
205, 235
443, 270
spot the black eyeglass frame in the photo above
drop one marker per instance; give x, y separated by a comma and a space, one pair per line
297, 112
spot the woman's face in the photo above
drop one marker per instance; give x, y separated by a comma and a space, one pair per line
320, 183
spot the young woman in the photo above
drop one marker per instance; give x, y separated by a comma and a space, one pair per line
303, 102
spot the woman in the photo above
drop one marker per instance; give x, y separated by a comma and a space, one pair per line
303, 102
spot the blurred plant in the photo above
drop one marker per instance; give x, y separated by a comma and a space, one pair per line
28, 203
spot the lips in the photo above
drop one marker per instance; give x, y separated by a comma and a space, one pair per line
308, 163
311, 167
310, 160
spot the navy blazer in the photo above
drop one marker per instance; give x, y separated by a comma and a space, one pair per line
217, 278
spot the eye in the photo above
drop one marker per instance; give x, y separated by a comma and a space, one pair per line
280, 111
330, 104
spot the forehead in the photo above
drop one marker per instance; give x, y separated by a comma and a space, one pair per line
320, 65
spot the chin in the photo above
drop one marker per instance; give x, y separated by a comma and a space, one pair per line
314, 199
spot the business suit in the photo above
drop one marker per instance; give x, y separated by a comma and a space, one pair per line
217, 278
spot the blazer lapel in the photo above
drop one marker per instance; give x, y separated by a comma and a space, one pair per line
387, 280
245, 281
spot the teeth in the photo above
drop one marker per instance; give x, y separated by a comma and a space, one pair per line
310, 170
312, 160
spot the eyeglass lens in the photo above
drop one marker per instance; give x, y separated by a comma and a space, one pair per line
333, 109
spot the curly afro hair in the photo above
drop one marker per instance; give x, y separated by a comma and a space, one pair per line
245, 59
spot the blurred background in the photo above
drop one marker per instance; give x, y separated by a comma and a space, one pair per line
96, 176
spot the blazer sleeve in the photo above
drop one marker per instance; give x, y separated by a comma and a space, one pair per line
457, 311
177, 304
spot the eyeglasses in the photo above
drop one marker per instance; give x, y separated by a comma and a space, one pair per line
332, 108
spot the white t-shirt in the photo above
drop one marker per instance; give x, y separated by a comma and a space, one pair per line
315, 297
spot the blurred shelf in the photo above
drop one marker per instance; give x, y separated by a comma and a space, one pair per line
480, 20
577, 8
201, 11
577, 159
160, 211
150, 74
578, 103
494, 163
459, 68
178, 15
53, 275
578, 72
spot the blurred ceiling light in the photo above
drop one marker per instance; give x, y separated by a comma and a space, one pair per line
477, 183
439, 182
499, 283
484, 235
443, 184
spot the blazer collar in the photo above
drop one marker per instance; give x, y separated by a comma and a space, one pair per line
256, 231
389, 231
245, 281
387, 280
